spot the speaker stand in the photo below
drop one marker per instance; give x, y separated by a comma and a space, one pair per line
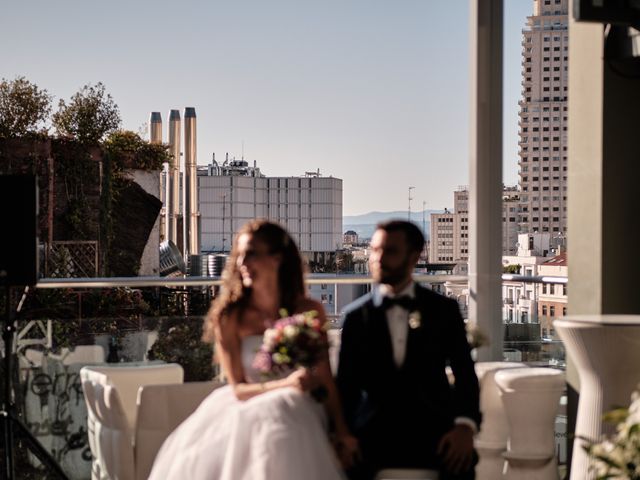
12, 427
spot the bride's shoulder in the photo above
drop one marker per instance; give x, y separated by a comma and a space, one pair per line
226, 330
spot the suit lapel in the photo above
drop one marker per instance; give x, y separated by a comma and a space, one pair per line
415, 336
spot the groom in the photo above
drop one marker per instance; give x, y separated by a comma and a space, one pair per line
396, 342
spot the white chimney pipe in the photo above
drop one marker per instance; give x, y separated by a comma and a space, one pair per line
155, 137
190, 217
173, 182
155, 127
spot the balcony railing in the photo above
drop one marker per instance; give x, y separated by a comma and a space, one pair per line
152, 319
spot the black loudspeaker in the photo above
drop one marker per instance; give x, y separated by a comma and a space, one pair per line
18, 230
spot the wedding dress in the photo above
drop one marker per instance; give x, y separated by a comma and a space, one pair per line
277, 435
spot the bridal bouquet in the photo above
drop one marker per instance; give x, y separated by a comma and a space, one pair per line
293, 341
618, 456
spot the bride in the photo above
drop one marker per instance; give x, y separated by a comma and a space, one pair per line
253, 429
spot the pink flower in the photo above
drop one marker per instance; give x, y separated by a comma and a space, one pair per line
292, 342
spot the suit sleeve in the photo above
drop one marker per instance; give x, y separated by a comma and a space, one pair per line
349, 375
466, 393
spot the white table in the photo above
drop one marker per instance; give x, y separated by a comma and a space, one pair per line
605, 350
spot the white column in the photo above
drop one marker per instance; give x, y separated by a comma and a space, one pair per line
603, 171
485, 162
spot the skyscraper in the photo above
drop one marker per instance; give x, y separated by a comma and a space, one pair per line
543, 120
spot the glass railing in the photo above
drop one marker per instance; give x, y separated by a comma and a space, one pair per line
65, 324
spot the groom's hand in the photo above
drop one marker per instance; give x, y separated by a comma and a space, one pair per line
348, 450
303, 379
456, 449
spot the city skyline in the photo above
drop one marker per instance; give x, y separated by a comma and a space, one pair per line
368, 92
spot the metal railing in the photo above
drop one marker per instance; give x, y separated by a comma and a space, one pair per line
311, 279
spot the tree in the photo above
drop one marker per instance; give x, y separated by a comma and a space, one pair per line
24, 108
512, 269
344, 261
90, 115
128, 150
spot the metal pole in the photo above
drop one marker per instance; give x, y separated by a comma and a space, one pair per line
409, 208
7, 336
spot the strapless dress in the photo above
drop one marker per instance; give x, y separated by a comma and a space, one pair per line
277, 435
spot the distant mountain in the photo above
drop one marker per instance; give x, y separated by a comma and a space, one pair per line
364, 225
376, 217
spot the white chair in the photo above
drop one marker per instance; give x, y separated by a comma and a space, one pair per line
406, 474
491, 441
111, 396
161, 408
531, 397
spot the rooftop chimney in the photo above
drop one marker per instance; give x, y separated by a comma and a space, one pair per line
155, 127
173, 181
190, 217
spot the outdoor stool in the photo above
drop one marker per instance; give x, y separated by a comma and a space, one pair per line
531, 397
491, 441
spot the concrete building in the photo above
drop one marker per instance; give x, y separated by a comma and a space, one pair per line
446, 238
543, 119
552, 298
449, 232
449, 236
510, 209
310, 207
520, 300
350, 237
334, 297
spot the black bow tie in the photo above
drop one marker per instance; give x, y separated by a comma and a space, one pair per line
404, 301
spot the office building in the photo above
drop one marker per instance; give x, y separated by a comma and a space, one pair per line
309, 206
543, 119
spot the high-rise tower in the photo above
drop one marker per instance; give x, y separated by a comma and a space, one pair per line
543, 120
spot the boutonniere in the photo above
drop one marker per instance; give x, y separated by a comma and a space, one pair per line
415, 319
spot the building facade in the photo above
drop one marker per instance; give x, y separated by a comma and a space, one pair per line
449, 231
520, 300
350, 237
552, 298
543, 119
510, 209
447, 243
309, 207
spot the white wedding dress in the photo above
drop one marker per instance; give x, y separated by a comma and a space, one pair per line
278, 435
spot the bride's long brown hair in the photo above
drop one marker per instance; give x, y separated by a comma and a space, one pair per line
234, 296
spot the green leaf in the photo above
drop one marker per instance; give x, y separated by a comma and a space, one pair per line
616, 416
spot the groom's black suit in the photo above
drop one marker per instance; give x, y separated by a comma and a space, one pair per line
399, 414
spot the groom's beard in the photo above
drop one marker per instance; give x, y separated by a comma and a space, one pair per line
394, 276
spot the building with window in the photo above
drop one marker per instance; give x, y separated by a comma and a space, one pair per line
510, 209
520, 300
552, 298
350, 237
449, 233
309, 206
543, 119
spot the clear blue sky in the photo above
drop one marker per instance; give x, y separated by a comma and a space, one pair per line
372, 91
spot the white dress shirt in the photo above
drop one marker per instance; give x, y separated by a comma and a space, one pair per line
398, 323
397, 319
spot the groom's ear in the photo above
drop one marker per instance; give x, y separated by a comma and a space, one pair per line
414, 257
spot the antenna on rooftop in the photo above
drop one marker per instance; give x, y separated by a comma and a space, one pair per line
424, 221
409, 209
242, 149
